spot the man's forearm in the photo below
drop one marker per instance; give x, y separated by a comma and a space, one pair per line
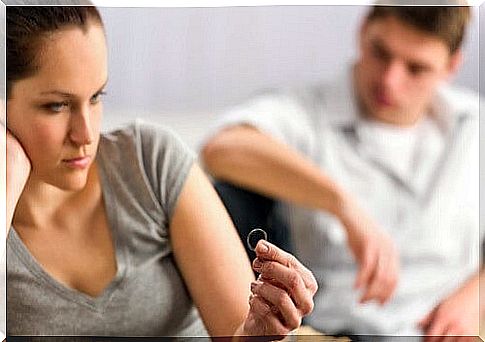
247, 157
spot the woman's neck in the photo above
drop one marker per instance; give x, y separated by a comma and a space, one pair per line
44, 205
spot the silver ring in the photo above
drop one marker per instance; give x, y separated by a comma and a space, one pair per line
255, 232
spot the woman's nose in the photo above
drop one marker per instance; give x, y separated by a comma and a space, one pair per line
81, 132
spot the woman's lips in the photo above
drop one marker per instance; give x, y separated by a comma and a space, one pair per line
77, 163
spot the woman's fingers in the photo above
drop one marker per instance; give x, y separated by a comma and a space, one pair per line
265, 319
284, 291
290, 280
279, 299
266, 251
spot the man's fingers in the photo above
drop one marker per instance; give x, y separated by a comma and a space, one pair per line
449, 335
387, 277
390, 284
426, 321
366, 269
378, 276
436, 329
375, 286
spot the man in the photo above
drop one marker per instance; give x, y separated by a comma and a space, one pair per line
377, 175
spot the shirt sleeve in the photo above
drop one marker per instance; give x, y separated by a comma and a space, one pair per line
167, 161
277, 114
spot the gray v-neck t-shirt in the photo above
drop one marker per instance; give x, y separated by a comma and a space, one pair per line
143, 168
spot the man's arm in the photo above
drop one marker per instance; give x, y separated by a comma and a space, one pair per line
458, 314
246, 157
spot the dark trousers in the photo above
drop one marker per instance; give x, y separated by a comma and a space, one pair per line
249, 210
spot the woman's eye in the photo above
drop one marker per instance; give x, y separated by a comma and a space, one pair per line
97, 97
56, 107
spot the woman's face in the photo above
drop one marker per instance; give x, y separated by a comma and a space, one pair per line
56, 114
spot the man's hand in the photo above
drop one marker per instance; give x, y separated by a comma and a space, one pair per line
374, 252
456, 315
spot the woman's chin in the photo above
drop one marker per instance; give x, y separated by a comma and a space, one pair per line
70, 182
74, 187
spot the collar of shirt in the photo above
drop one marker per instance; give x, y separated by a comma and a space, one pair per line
449, 108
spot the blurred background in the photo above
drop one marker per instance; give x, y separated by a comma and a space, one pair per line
182, 66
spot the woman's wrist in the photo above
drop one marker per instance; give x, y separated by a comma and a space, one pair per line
14, 190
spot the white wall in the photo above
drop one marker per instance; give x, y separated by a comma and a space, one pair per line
181, 66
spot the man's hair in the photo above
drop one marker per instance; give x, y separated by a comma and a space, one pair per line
447, 23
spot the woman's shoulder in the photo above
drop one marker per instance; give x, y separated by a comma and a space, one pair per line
150, 153
146, 140
139, 131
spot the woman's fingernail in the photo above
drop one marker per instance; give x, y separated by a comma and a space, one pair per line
263, 247
257, 264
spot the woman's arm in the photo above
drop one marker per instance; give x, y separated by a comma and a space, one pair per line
218, 274
210, 256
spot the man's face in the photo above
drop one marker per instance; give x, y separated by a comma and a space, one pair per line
399, 70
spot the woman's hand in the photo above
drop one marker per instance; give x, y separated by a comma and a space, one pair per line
281, 296
375, 253
18, 171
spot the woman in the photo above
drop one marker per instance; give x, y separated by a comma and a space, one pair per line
118, 234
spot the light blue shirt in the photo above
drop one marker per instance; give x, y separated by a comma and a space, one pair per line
419, 184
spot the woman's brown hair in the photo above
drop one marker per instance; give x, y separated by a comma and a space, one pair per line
27, 28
